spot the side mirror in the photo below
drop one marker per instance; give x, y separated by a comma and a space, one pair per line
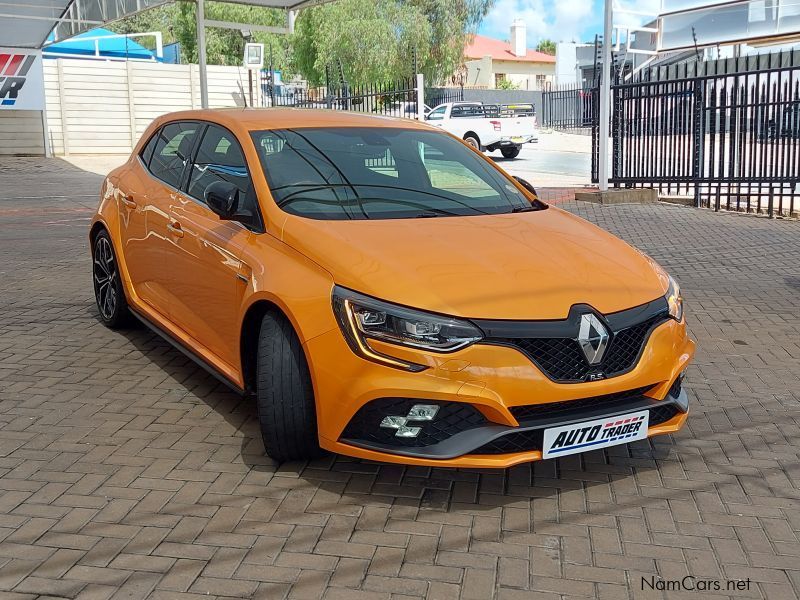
223, 199
527, 185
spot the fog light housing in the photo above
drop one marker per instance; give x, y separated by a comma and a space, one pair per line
422, 412
407, 432
418, 412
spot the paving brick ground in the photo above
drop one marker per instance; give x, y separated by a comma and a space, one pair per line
126, 472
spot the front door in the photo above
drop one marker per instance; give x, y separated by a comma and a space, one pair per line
209, 274
148, 241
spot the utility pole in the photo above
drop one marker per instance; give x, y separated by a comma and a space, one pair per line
605, 97
201, 52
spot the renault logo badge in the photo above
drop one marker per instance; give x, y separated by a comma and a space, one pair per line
593, 338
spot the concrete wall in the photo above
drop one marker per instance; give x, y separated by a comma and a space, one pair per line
102, 107
503, 96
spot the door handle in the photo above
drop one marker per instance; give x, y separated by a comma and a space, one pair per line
129, 201
175, 229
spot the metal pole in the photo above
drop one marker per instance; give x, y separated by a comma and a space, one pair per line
201, 52
420, 97
605, 97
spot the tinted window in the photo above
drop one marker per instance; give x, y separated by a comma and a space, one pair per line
380, 173
172, 150
219, 158
147, 151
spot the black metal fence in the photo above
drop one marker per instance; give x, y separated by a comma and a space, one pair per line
434, 98
392, 98
570, 108
725, 133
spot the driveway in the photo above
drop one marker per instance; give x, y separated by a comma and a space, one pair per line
127, 472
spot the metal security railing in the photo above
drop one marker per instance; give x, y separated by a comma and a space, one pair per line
725, 133
392, 98
570, 108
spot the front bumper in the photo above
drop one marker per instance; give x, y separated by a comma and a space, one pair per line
499, 386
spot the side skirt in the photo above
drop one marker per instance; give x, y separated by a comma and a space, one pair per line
196, 358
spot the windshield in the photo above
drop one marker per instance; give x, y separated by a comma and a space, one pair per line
381, 173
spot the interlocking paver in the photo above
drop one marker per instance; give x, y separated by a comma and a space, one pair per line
125, 471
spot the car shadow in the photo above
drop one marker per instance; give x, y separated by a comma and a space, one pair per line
356, 482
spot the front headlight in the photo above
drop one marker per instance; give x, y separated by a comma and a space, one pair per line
674, 300
363, 318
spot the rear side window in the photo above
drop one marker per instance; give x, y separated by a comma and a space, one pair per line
171, 152
147, 152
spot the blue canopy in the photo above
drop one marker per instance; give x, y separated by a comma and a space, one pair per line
113, 47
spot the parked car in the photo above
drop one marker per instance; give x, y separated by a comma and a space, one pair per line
380, 290
484, 127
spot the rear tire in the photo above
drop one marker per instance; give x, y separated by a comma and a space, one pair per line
473, 141
511, 151
284, 394
109, 294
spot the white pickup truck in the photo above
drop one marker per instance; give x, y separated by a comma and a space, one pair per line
486, 127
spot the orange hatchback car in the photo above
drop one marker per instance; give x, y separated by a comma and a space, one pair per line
382, 290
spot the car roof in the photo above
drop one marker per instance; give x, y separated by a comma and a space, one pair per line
254, 119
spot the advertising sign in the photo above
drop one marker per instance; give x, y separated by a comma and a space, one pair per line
21, 79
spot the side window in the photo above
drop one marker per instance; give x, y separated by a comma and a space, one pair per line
437, 114
219, 158
172, 150
147, 151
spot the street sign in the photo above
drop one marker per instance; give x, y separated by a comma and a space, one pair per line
21, 79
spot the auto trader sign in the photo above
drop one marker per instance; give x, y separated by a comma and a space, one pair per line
21, 79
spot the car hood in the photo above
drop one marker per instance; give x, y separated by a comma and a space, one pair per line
533, 265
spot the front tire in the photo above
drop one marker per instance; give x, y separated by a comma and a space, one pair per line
511, 151
108, 291
284, 394
473, 141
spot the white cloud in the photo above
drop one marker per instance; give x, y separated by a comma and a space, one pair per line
532, 12
563, 20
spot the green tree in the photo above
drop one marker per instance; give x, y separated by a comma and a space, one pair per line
506, 84
375, 40
223, 46
547, 46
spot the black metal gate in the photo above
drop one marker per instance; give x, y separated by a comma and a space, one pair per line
725, 134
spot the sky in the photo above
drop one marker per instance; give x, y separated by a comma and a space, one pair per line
559, 20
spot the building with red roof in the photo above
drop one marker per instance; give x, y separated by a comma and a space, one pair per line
490, 61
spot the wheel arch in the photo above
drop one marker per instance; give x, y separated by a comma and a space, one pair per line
473, 134
95, 229
249, 334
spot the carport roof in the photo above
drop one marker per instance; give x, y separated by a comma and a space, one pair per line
27, 23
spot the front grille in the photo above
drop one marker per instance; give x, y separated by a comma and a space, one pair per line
452, 418
562, 359
568, 408
525, 441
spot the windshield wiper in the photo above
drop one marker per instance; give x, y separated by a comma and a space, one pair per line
521, 209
